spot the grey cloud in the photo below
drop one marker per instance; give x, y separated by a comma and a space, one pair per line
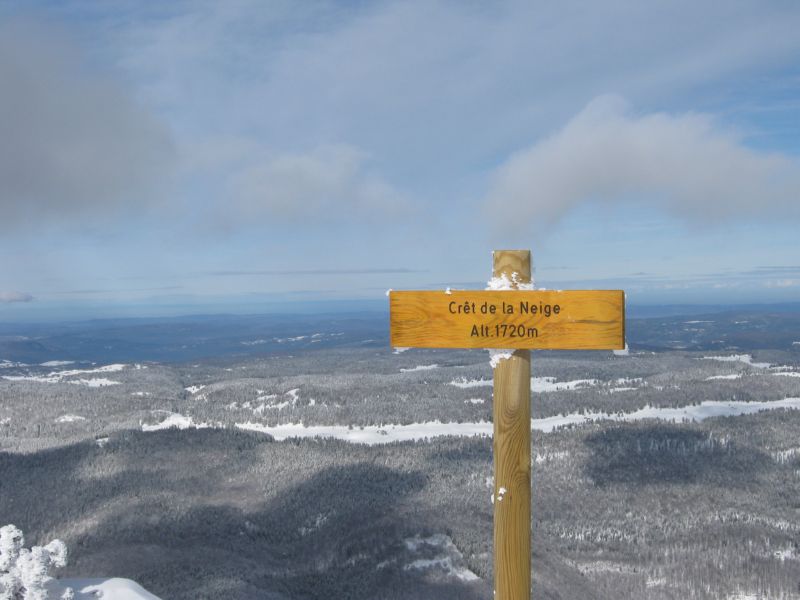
113, 291
312, 272
755, 273
720, 280
8, 297
682, 163
465, 285
73, 144
782, 270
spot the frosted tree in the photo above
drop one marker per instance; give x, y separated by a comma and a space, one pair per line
25, 574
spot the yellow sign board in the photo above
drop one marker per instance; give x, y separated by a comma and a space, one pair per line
547, 320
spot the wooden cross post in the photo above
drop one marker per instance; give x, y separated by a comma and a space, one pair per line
518, 320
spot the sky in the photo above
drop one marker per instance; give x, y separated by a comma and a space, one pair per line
179, 157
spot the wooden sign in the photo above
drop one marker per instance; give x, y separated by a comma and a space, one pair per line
522, 320
562, 320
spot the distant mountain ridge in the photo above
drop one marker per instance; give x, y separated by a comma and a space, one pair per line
197, 337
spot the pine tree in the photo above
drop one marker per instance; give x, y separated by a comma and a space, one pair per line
25, 574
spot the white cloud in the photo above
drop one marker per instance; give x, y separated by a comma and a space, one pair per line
332, 181
424, 96
684, 163
432, 91
428, 86
8, 297
783, 283
72, 144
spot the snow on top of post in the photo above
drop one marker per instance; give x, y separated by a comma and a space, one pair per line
504, 283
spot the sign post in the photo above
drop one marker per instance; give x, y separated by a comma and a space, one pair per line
511, 410
520, 320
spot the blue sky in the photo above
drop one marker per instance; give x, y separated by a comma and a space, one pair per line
195, 156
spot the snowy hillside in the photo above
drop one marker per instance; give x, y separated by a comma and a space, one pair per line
107, 589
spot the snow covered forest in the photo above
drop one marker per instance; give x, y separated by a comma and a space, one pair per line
343, 469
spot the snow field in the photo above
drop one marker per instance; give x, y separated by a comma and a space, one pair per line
177, 421
446, 557
742, 358
384, 434
113, 588
59, 376
419, 368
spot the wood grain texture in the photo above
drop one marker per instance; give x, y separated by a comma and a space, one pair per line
512, 457
586, 319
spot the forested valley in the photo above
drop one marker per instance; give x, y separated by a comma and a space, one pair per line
186, 477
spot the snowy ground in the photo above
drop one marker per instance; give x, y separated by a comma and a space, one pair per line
384, 434
107, 589
70, 375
